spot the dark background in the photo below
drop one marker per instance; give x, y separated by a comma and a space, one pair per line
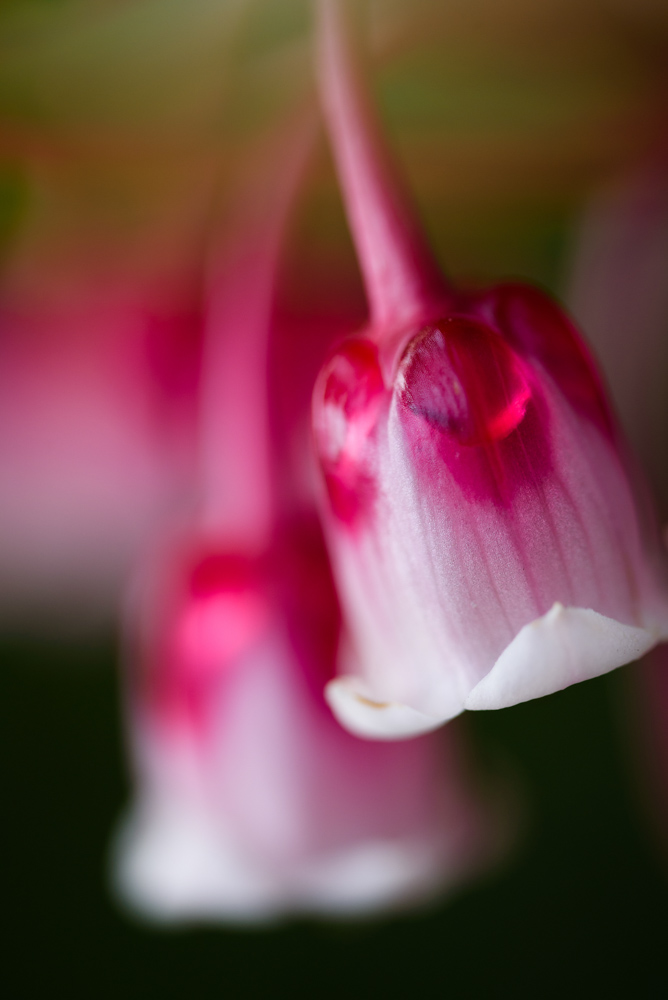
580, 909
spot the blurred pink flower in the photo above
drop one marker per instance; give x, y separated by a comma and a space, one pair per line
99, 363
93, 448
251, 800
618, 291
482, 526
619, 294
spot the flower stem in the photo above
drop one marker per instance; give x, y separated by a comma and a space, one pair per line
402, 278
235, 455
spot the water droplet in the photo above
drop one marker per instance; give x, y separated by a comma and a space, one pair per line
463, 378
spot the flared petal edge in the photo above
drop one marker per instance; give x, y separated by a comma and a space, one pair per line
362, 715
173, 873
563, 647
168, 867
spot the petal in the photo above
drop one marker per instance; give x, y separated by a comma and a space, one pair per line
379, 875
172, 865
464, 379
374, 720
563, 647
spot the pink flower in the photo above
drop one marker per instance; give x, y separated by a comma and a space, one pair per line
252, 801
93, 449
618, 292
484, 533
100, 340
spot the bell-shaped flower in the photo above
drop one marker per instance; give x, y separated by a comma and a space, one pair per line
252, 801
485, 535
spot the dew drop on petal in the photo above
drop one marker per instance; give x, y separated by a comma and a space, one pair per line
462, 378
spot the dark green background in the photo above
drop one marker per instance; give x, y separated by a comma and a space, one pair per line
580, 910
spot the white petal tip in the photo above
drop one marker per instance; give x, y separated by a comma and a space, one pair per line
361, 715
169, 869
166, 879
565, 646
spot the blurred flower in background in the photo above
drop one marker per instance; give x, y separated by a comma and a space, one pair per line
619, 291
124, 125
252, 801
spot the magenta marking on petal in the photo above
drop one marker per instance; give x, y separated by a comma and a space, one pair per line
462, 378
217, 613
489, 472
211, 632
222, 570
346, 408
537, 328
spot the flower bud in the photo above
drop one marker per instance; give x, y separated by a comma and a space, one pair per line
481, 521
484, 532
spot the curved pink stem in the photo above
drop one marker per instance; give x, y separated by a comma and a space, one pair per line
402, 278
236, 469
